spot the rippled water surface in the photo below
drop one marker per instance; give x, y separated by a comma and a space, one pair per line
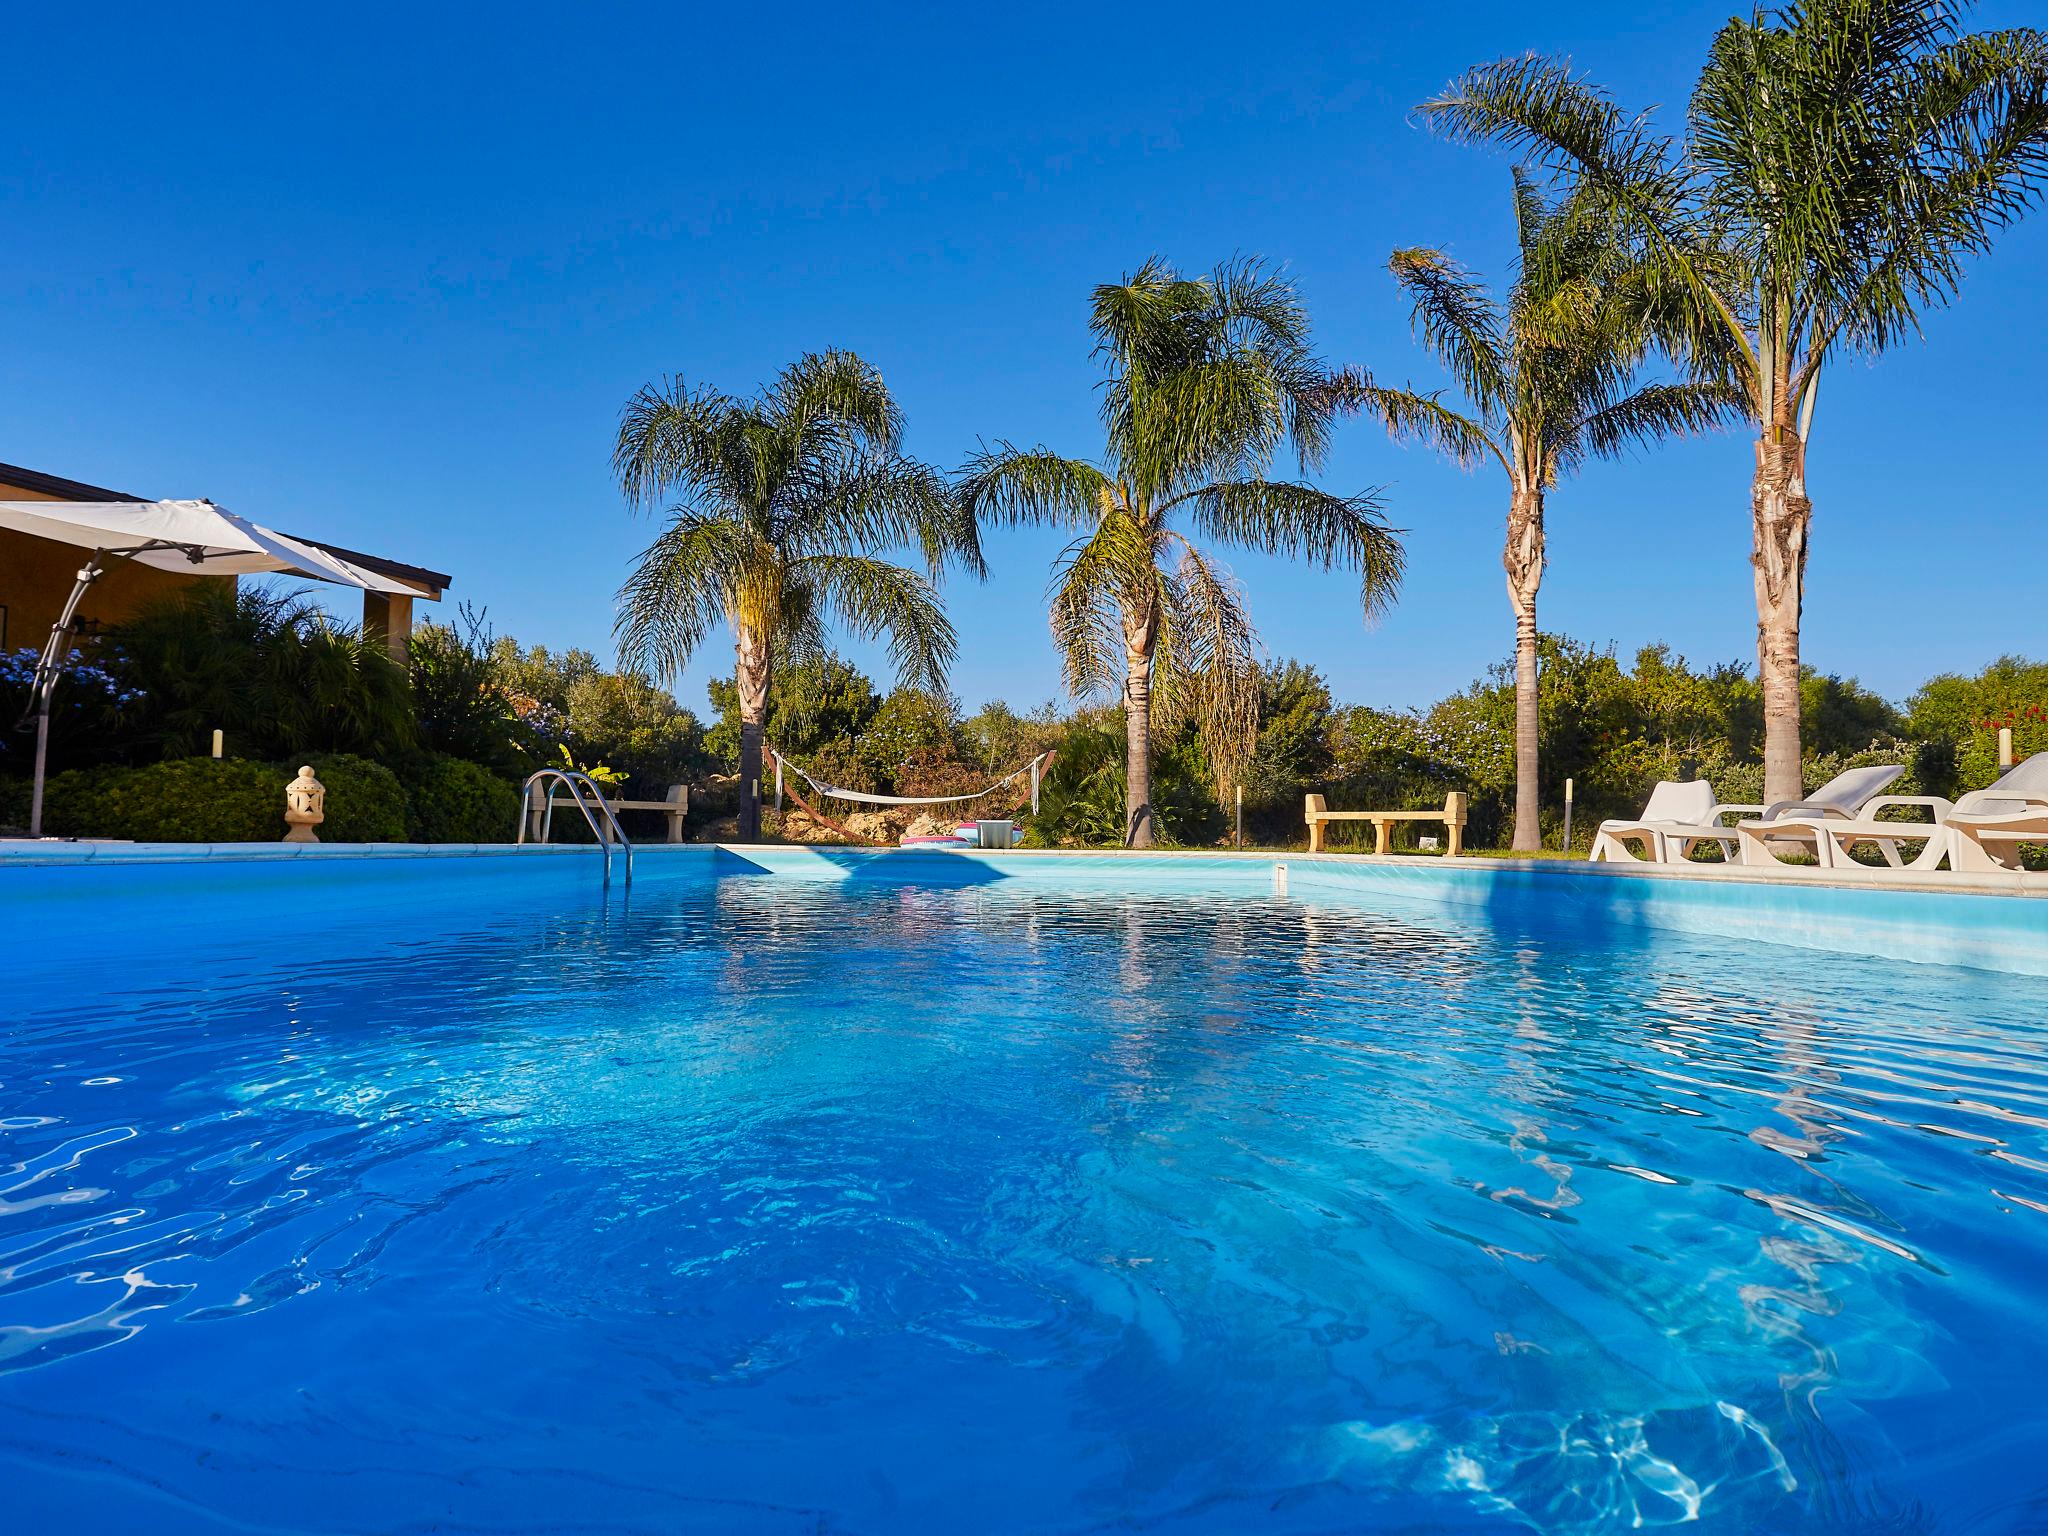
766, 1205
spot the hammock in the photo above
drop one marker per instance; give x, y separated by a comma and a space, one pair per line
1035, 768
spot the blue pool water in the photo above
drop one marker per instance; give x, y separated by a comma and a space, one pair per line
478, 1201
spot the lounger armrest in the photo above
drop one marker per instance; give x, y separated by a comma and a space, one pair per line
1807, 808
1716, 812
1934, 803
1967, 805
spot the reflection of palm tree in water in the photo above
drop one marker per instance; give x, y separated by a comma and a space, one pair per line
1784, 1039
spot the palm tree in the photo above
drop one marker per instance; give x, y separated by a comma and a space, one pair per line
1842, 159
1207, 378
778, 506
1547, 381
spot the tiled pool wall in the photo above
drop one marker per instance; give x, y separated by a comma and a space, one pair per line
288, 895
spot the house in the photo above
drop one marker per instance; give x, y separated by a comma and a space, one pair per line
36, 574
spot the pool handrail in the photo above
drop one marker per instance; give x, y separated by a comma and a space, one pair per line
605, 830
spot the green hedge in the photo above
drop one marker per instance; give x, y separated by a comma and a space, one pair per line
365, 801
222, 800
14, 799
185, 800
457, 801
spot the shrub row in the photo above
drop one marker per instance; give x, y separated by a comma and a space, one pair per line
233, 800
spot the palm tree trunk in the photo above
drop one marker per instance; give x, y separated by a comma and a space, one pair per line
1782, 514
1523, 560
1140, 635
750, 677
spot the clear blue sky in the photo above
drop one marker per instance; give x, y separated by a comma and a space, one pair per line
387, 276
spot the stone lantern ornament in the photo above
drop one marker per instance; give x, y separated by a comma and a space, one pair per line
305, 801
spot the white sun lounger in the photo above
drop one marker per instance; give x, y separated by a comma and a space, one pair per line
1675, 810
1791, 823
1981, 831
1672, 838
1988, 825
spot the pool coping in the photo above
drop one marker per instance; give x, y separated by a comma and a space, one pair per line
50, 852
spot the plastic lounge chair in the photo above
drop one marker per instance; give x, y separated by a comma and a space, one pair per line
1673, 809
1988, 825
1851, 796
2011, 811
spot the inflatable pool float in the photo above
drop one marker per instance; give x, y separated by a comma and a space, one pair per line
966, 835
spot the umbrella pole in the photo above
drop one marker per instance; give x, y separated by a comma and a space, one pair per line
48, 670
35, 804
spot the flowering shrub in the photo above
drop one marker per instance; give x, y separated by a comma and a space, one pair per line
1979, 758
93, 678
87, 707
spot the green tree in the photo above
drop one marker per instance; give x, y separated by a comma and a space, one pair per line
625, 721
1293, 751
1843, 716
460, 705
911, 721
1548, 378
1958, 718
1842, 160
779, 508
1207, 378
816, 701
999, 739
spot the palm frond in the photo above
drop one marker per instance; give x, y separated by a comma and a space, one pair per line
1030, 485
1633, 176
1649, 414
671, 438
685, 583
1412, 416
1097, 580
1206, 376
1278, 517
875, 600
1969, 156
801, 635
841, 394
1457, 320
1206, 666
1263, 315
886, 502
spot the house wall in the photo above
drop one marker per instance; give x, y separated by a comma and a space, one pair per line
36, 577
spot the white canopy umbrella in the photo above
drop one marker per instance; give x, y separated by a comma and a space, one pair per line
194, 537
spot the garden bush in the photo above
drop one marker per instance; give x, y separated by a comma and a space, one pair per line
14, 799
222, 800
365, 801
184, 800
1082, 802
454, 801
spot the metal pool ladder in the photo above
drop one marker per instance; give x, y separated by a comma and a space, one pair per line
603, 821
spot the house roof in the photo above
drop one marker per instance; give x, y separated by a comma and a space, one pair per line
431, 583
59, 487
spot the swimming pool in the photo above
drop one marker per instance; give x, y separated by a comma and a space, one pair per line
467, 1195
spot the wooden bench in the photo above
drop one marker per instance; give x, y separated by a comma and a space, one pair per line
1319, 816
675, 807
